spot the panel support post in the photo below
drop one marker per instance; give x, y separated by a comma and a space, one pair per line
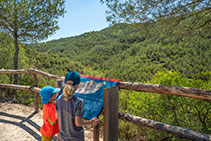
96, 132
59, 83
111, 108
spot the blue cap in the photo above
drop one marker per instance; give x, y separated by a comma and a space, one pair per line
47, 92
73, 76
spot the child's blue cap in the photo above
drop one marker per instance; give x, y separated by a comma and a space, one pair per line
47, 92
72, 76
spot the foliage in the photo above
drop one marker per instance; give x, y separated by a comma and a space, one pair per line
122, 49
140, 11
179, 111
27, 21
6, 51
30, 58
30, 20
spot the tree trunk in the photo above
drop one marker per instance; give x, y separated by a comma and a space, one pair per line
16, 56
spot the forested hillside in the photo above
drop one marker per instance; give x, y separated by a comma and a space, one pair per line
125, 52
130, 53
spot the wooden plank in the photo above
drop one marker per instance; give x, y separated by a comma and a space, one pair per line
167, 89
111, 107
175, 130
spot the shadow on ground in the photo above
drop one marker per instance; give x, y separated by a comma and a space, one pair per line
21, 125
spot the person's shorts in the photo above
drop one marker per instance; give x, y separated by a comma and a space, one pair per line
44, 138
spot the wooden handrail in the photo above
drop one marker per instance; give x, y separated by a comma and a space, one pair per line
20, 87
175, 130
31, 70
167, 89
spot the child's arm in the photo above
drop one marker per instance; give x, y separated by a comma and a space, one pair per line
52, 118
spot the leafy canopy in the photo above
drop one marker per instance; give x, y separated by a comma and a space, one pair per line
30, 19
136, 11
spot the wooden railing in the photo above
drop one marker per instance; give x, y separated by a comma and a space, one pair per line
33, 88
166, 89
112, 114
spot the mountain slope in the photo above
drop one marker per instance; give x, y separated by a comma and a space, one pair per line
136, 53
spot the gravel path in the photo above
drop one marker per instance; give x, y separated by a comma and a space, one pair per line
19, 122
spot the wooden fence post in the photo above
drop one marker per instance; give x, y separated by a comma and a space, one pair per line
36, 95
96, 132
111, 108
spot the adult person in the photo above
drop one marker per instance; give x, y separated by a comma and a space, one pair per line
70, 109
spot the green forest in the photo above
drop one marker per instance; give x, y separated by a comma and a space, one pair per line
157, 53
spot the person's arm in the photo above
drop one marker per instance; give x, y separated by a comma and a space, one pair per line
52, 119
78, 117
80, 122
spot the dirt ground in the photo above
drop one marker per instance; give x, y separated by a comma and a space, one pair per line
19, 122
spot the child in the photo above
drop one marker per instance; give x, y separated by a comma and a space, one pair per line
50, 126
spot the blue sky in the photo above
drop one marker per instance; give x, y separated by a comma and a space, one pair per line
82, 16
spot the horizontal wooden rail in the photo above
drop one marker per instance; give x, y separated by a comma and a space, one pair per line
31, 70
175, 130
20, 87
167, 89
142, 87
